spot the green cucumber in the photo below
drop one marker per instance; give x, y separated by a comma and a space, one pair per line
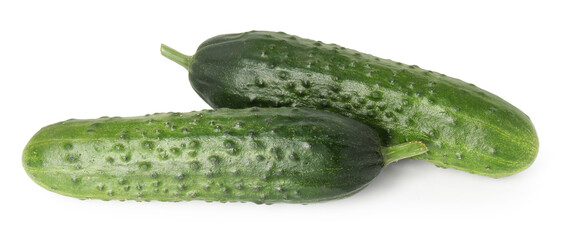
259, 155
465, 127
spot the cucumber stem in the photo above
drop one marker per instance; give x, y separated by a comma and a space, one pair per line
177, 57
404, 150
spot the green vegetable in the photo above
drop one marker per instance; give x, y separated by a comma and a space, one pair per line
464, 127
260, 155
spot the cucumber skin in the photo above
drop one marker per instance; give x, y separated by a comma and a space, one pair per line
258, 155
464, 127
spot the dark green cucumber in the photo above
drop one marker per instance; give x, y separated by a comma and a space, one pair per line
464, 126
260, 155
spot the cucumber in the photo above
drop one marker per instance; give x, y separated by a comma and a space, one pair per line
465, 127
258, 155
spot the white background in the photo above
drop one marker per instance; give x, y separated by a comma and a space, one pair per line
73, 59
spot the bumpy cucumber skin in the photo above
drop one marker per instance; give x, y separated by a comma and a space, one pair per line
465, 127
258, 155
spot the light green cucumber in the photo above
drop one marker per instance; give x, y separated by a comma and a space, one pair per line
259, 155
